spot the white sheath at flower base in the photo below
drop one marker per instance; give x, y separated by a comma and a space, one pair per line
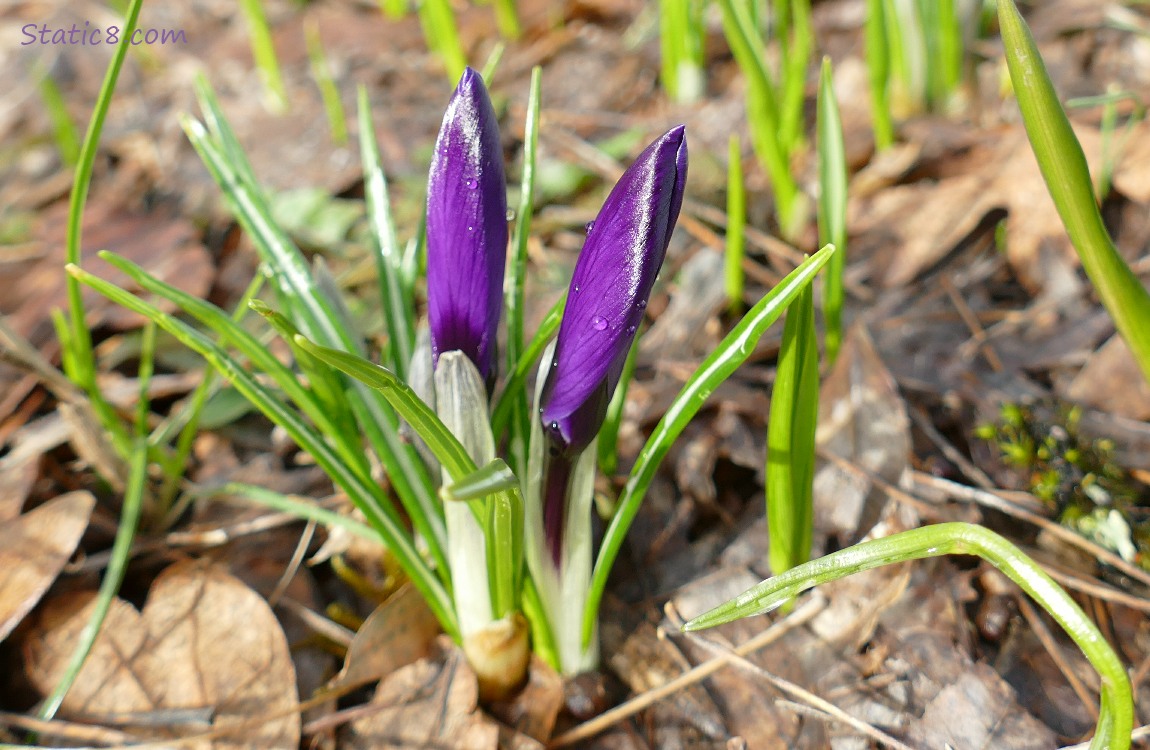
564, 589
497, 649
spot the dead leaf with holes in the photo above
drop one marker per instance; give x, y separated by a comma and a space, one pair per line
34, 549
203, 641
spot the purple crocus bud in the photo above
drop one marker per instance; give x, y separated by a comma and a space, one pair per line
605, 304
609, 290
466, 229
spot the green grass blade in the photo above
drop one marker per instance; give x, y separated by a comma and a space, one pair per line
731, 352
736, 242
794, 75
300, 507
517, 378
325, 383
515, 393
878, 74
762, 110
832, 208
365, 494
507, 19
328, 91
303, 299
504, 531
232, 334
1116, 715
681, 39
394, 9
394, 293
496, 476
186, 417
134, 495
791, 438
81, 364
517, 271
608, 454
442, 35
64, 130
264, 53
447, 449
113, 577
1067, 178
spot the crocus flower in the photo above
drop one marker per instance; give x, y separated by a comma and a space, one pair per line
466, 229
608, 295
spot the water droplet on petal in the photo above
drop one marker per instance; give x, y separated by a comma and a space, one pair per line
599, 323
631, 329
470, 228
589, 226
641, 304
473, 184
510, 214
554, 426
576, 288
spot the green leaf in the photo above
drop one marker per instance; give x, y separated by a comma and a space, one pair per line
515, 394
395, 294
506, 403
730, 353
878, 70
1067, 178
447, 449
832, 208
1115, 719
364, 493
736, 224
791, 438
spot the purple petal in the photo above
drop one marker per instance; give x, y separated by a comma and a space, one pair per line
466, 228
610, 288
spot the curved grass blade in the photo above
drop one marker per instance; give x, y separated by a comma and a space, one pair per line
1067, 176
365, 494
731, 352
447, 449
80, 362
1115, 720
259, 355
299, 507
134, 495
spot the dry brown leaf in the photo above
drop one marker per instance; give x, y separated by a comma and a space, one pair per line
924, 221
33, 551
535, 708
863, 419
203, 640
431, 703
399, 632
1111, 381
1131, 177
